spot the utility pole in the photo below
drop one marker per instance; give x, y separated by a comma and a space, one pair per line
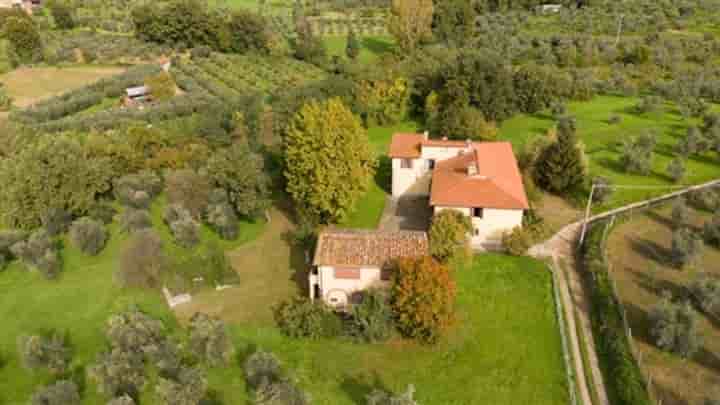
587, 215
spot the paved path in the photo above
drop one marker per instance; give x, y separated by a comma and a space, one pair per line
576, 303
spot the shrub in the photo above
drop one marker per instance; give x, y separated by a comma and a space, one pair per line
222, 219
49, 351
705, 199
558, 109
449, 234
603, 190
686, 247
711, 231
88, 235
372, 319
8, 239
189, 388
637, 153
142, 262
675, 327
706, 291
423, 297
25, 41
209, 340
189, 189
62, 392
119, 372
649, 104
677, 170
56, 221
380, 397
62, 15
184, 228
680, 213
262, 368
102, 212
135, 220
134, 330
302, 318
283, 392
518, 241
40, 253
200, 52
614, 119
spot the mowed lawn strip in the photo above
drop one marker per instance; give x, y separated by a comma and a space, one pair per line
603, 142
504, 348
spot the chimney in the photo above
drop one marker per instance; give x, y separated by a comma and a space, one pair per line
426, 135
472, 169
444, 138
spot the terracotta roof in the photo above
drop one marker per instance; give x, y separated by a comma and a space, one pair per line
354, 248
406, 146
497, 184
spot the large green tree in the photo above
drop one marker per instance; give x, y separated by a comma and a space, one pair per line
562, 166
328, 162
410, 22
454, 21
24, 38
51, 173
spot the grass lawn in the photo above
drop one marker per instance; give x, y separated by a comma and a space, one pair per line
639, 255
603, 142
30, 85
79, 303
371, 47
369, 209
504, 349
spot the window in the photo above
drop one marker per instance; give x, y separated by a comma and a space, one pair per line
477, 232
477, 213
431, 164
406, 164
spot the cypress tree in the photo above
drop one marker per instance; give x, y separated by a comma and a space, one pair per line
561, 166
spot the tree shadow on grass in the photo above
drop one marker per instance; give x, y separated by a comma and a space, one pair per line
639, 323
651, 250
668, 395
358, 387
383, 174
377, 46
707, 359
656, 286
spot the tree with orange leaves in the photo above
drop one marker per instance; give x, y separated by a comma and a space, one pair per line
423, 298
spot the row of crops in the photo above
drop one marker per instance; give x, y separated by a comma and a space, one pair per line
228, 76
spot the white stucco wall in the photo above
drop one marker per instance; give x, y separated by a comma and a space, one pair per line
369, 277
489, 230
416, 181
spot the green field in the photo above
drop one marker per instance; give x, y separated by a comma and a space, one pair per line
603, 142
78, 303
371, 47
504, 349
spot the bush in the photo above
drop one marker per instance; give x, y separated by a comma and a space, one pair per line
49, 351
161, 86
189, 388
262, 368
302, 318
675, 327
102, 212
40, 253
7, 240
56, 221
423, 298
614, 119
184, 228
62, 15
518, 241
25, 41
603, 189
711, 231
706, 291
705, 199
222, 219
686, 247
135, 220
200, 52
680, 213
63, 392
677, 170
188, 189
119, 372
209, 340
372, 320
88, 235
142, 263
649, 104
283, 392
637, 153
449, 234
137, 190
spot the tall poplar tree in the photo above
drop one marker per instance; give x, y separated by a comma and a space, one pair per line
562, 165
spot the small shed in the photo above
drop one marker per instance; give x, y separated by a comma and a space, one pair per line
549, 8
138, 94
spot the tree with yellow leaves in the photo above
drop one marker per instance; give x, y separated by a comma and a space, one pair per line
411, 22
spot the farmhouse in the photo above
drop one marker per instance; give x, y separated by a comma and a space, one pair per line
349, 261
480, 179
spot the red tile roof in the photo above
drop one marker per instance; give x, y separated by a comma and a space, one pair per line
355, 248
497, 184
406, 146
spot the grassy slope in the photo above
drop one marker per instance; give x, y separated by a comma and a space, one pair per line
371, 47
505, 348
603, 142
79, 302
369, 209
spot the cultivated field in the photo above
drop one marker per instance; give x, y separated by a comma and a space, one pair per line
639, 257
30, 85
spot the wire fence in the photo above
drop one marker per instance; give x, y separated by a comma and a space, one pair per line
563, 326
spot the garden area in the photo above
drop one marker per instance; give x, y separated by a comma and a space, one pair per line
643, 252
